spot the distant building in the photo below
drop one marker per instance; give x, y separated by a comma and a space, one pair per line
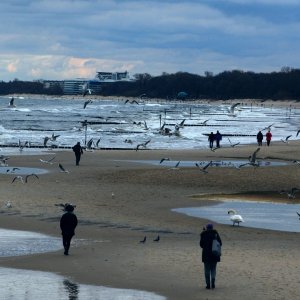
113, 76
77, 86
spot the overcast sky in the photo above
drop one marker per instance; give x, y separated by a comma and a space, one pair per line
66, 39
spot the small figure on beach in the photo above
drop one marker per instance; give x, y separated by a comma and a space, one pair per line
218, 138
208, 258
78, 151
268, 137
259, 138
211, 138
68, 223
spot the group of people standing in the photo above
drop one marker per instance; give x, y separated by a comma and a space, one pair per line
260, 137
214, 137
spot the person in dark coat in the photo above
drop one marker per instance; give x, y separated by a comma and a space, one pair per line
68, 223
211, 139
208, 258
218, 138
78, 151
259, 138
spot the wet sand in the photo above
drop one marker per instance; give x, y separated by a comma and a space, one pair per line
106, 249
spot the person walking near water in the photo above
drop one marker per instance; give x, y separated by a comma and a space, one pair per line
68, 223
211, 138
259, 138
208, 258
78, 151
218, 138
268, 137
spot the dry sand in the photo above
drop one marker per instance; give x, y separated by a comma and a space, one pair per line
256, 263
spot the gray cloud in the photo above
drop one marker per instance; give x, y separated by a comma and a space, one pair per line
75, 38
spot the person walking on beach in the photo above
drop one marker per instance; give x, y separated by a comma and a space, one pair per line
259, 138
268, 137
218, 138
78, 151
68, 223
208, 258
211, 138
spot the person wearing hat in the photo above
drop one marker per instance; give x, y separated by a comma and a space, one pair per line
208, 258
68, 223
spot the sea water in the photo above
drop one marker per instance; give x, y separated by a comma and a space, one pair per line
115, 123
266, 215
25, 284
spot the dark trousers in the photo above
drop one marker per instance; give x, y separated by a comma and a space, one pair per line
77, 158
268, 143
67, 242
210, 269
211, 144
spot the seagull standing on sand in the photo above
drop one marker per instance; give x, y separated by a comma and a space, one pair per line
157, 239
143, 241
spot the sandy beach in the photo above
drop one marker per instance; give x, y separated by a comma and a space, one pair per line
120, 201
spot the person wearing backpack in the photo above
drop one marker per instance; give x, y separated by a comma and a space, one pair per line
209, 259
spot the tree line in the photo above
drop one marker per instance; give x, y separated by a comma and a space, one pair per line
236, 84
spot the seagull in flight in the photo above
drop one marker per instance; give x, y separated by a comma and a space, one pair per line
54, 137
233, 145
286, 139
232, 107
62, 169
163, 159
181, 124
144, 145
268, 127
291, 193
86, 103
18, 178
298, 132
204, 122
131, 102
26, 178
46, 139
252, 160
49, 161
203, 169
298, 215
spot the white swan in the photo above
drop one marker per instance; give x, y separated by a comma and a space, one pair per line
235, 218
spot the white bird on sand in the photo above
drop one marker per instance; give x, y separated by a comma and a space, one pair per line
62, 169
8, 204
234, 217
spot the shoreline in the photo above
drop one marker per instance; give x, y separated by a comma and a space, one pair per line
107, 251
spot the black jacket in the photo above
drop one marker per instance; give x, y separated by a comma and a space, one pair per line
68, 223
206, 238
